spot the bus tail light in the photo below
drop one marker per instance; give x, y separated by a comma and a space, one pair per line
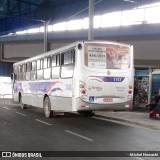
130, 87
130, 92
83, 88
83, 91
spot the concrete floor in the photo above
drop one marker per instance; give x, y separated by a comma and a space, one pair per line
29, 130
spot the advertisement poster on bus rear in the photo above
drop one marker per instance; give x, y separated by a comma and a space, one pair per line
107, 56
96, 57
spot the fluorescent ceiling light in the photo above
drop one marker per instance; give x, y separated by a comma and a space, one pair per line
59, 26
152, 15
97, 21
85, 23
33, 30
150, 5
21, 32
148, 13
50, 28
74, 25
41, 29
111, 19
129, 1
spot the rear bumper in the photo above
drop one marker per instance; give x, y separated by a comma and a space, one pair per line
82, 105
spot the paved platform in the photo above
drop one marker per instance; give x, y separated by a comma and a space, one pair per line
140, 118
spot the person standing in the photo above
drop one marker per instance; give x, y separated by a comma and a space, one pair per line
154, 106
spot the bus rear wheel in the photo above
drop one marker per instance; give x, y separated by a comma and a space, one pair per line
23, 106
47, 108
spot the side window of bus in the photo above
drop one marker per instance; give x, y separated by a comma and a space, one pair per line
45, 63
33, 66
20, 72
24, 72
47, 68
33, 70
55, 66
40, 69
28, 74
67, 63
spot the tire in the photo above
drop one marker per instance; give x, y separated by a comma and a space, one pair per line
23, 106
47, 108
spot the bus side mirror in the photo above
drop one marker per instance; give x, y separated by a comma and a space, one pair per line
13, 77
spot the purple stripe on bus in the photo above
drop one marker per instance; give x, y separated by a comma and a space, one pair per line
110, 79
36, 87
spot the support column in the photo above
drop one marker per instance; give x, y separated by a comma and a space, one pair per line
45, 37
91, 18
150, 85
1, 52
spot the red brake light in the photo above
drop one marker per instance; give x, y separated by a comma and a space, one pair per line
130, 91
83, 92
83, 88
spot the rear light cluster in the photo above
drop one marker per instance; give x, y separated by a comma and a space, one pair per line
83, 88
130, 91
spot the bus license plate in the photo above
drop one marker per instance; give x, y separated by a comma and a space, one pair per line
107, 100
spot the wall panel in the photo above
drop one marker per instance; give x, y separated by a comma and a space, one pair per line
22, 49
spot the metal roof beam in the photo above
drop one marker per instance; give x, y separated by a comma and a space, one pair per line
30, 3
15, 6
8, 6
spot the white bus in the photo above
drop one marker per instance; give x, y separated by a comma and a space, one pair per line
81, 77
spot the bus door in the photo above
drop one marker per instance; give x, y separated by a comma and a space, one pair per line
67, 71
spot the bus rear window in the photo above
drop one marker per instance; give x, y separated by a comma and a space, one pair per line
107, 56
